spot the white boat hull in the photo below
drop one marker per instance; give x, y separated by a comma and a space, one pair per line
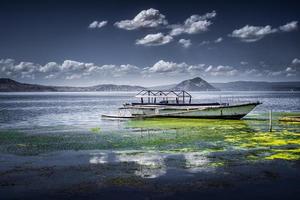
237, 111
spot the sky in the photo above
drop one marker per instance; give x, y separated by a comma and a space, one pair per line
148, 43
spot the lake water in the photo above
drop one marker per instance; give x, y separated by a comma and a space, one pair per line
83, 110
55, 145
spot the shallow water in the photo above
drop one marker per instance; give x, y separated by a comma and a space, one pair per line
45, 134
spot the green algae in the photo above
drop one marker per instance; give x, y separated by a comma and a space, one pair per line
233, 134
249, 138
284, 156
96, 130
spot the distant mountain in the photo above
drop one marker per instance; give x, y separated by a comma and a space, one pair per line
195, 84
112, 87
258, 86
9, 85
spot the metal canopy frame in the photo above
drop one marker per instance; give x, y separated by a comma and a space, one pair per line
152, 95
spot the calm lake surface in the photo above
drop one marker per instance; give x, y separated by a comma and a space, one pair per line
55, 145
83, 110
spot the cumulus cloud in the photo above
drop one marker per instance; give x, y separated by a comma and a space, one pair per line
153, 18
289, 69
194, 24
186, 43
291, 26
221, 70
97, 24
252, 33
196, 69
22, 69
145, 19
172, 68
166, 67
73, 70
69, 70
296, 61
74, 66
154, 40
50, 67
119, 70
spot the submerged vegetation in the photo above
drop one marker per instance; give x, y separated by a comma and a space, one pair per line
222, 141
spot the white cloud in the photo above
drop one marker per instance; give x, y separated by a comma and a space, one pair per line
72, 66
291, 26
289, 75
252, 33
6, 65
209, 68
22, 69
221, 70
69, 70
296, 61
194, 24
194, 69
25, 67
7, 61
154, 40
111, 70
124, 70
205, 42
289, 69
97, 24
72, 70
50, 67
250, 71
145, 19
185, 43
275, 73
255, 33
172, 69
244, 63
218, 40
167, 67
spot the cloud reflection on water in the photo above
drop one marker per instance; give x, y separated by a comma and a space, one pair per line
154, 164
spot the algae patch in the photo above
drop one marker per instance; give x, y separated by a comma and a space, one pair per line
96, 130
227, 140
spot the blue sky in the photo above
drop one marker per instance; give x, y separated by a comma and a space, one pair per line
148, 42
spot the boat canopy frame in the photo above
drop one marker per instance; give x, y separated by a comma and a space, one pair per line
152, 95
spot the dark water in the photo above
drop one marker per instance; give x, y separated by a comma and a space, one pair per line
55, 145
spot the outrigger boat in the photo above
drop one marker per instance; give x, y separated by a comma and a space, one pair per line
179, 104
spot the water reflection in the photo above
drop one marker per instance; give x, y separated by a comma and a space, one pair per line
153, 164
196, 162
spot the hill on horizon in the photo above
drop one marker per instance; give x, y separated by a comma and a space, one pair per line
9, 85
195, 84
